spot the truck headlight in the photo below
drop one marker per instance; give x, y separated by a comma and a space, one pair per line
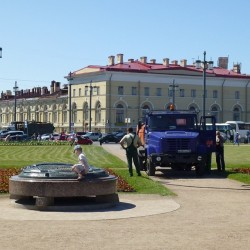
158, 158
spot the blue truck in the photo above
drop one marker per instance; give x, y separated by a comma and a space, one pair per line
177, 140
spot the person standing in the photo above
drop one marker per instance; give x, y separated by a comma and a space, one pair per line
130, 143
237, 138
219, 152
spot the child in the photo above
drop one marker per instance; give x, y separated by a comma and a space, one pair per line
82, 168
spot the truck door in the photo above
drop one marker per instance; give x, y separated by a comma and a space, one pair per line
208, 135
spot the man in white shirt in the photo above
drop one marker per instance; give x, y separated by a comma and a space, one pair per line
130, 143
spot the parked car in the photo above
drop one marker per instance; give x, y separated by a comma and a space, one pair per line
81, 133
94, 136
23, 137
14, 136
54, 136
3, 132
12, 133
120, 135
83, 140
108, 138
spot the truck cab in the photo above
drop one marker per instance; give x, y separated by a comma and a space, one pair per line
177, 140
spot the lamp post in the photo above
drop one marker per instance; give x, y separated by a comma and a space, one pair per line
15, 89
206, 65
90, 102
173, 87
70, 107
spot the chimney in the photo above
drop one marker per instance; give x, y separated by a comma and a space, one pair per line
56, 86
43, 92
166, 62
143, 59
153, 61
175, 62
131, 60
223, 62
111, 60
119, 58
236, 68
183, 63
52, 87
38, 91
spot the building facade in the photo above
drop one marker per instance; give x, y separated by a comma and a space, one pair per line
113, 97
38, 104
119, 94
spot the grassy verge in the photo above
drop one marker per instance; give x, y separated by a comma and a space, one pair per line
18, 156
236, 157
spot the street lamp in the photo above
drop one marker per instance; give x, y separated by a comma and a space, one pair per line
15, 89
173, 87
206, 65
1, 52
90, 102
70, 107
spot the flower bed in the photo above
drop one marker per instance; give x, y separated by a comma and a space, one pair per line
241, 170
5, 174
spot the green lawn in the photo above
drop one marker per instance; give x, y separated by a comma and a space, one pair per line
235, 156
21, 156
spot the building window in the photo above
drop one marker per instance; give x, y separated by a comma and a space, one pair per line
146, 91
120, 114
182, 93
80, 92
85, 112
236, 114
64, 119
98, 113
97, 90
45, 117
158, 91
54, 117
74, 92
134, 90
170, 92
74, 113
145, 109
215, 94
86, 90
237, 96
120, 90
215, 113
193, 92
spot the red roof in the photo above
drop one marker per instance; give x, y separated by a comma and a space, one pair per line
138, 66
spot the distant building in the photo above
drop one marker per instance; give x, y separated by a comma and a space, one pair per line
38, 104
123, 91
117, 95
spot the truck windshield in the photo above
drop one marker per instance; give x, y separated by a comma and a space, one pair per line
171, 122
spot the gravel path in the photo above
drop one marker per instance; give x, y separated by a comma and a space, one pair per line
213, 213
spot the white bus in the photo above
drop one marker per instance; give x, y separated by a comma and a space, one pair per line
225, 129
242, 128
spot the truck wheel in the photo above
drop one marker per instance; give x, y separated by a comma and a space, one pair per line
200, 168
150, 168
141, 163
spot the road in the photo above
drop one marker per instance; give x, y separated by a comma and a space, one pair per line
213, 213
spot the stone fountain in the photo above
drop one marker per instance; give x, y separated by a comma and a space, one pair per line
44, 183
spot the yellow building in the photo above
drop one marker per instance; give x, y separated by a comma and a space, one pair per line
119, 93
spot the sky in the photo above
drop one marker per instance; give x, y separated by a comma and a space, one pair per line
43, 40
